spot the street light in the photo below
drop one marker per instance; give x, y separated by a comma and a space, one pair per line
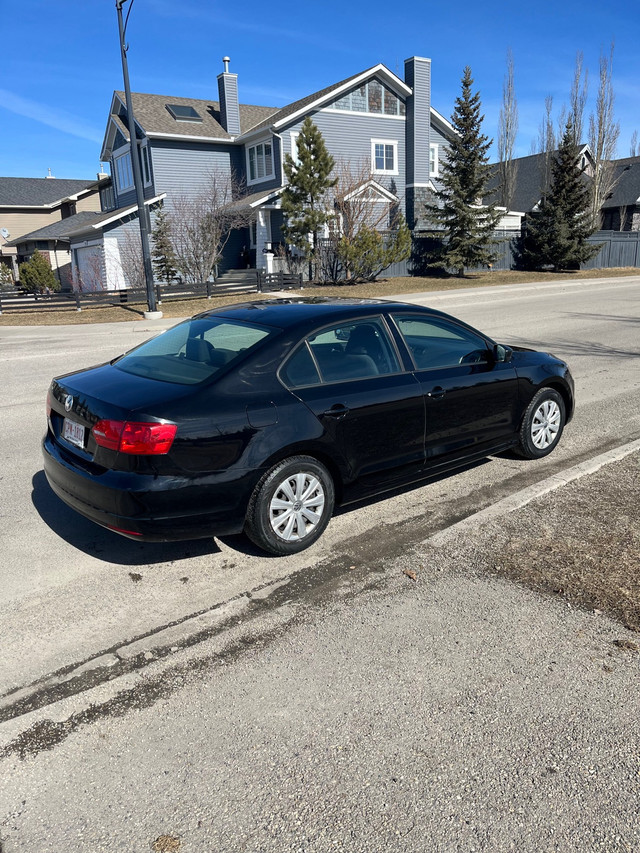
143, 212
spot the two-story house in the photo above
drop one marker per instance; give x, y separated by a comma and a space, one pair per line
31, 209
373, 117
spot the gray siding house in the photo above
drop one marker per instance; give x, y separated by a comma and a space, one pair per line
373, 119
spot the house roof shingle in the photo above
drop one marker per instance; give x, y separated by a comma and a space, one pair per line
39, 192
60, 229
527, 186
153, 116
626, 189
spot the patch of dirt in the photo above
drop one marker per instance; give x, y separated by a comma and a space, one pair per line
581, 542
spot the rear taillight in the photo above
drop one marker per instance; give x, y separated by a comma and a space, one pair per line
137, 438
49, 403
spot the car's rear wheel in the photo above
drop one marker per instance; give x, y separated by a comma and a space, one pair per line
291, 506
542, 424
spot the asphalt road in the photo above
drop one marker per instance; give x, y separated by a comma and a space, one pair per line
68, 592
275, 738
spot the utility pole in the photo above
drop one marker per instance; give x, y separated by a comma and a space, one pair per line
143, 211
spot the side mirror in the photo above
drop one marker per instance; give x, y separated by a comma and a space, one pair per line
502, 353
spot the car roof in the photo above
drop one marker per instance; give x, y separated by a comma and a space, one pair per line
286, 312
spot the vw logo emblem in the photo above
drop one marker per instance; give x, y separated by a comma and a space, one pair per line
68, 403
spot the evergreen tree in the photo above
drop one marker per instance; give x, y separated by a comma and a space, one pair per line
36, 275
556, 234
466, 227
369, 252
162, 254
303, 198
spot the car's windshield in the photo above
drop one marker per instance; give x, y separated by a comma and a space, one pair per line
193, 351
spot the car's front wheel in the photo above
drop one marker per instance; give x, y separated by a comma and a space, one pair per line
291, 506
542, 424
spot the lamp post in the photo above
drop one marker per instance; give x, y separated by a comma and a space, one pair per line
143, 212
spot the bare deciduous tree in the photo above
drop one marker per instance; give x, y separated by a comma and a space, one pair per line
355, 208
132, 262
92, 279
634, 149
604, 131
546, 144
507, 132
201, 225
578, 99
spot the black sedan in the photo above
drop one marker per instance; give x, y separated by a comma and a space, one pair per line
263, 416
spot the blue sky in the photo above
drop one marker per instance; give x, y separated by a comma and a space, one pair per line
61, 61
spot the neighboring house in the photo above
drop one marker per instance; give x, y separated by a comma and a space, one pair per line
373, 118
621, 209
29, 205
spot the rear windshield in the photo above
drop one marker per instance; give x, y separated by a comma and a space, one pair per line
193, 351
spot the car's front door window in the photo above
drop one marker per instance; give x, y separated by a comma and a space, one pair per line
434, 343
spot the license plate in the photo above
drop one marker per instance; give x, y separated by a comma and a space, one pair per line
73, 433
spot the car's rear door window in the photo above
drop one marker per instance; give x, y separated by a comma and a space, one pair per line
193, 351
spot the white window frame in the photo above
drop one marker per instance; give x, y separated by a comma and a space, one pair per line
385, 142
294, 146
124, 171
433, 172
267, 176
145, 152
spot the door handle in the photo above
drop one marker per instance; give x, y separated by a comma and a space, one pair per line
338, 410
437, 393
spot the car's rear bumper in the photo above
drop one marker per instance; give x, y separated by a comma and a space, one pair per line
150, 507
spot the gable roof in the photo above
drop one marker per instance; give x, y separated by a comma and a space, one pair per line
320, 98
626, 177
529, 175
153, 116
60, 229
41, 192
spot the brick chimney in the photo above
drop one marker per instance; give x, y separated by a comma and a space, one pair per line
417, 75
228, 92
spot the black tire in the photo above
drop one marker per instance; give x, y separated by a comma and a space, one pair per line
542, 424
291, 527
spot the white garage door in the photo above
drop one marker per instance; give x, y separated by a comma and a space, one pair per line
90, 265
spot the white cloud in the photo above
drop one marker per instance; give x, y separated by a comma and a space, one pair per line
44, 114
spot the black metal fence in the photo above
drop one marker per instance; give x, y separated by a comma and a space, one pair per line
268, 281
19, 301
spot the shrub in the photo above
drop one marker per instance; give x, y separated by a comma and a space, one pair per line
36, 275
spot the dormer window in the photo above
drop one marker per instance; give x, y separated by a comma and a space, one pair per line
180, 112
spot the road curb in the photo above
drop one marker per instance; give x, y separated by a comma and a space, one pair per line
530, 493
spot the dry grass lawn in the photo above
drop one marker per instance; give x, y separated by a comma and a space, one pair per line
381, 288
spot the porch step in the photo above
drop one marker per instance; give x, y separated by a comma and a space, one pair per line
245, 276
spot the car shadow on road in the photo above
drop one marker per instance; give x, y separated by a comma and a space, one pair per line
98, 542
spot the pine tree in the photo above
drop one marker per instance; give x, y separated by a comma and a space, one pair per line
466, 227
556, 234
162, 254
303, 198
36, 275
